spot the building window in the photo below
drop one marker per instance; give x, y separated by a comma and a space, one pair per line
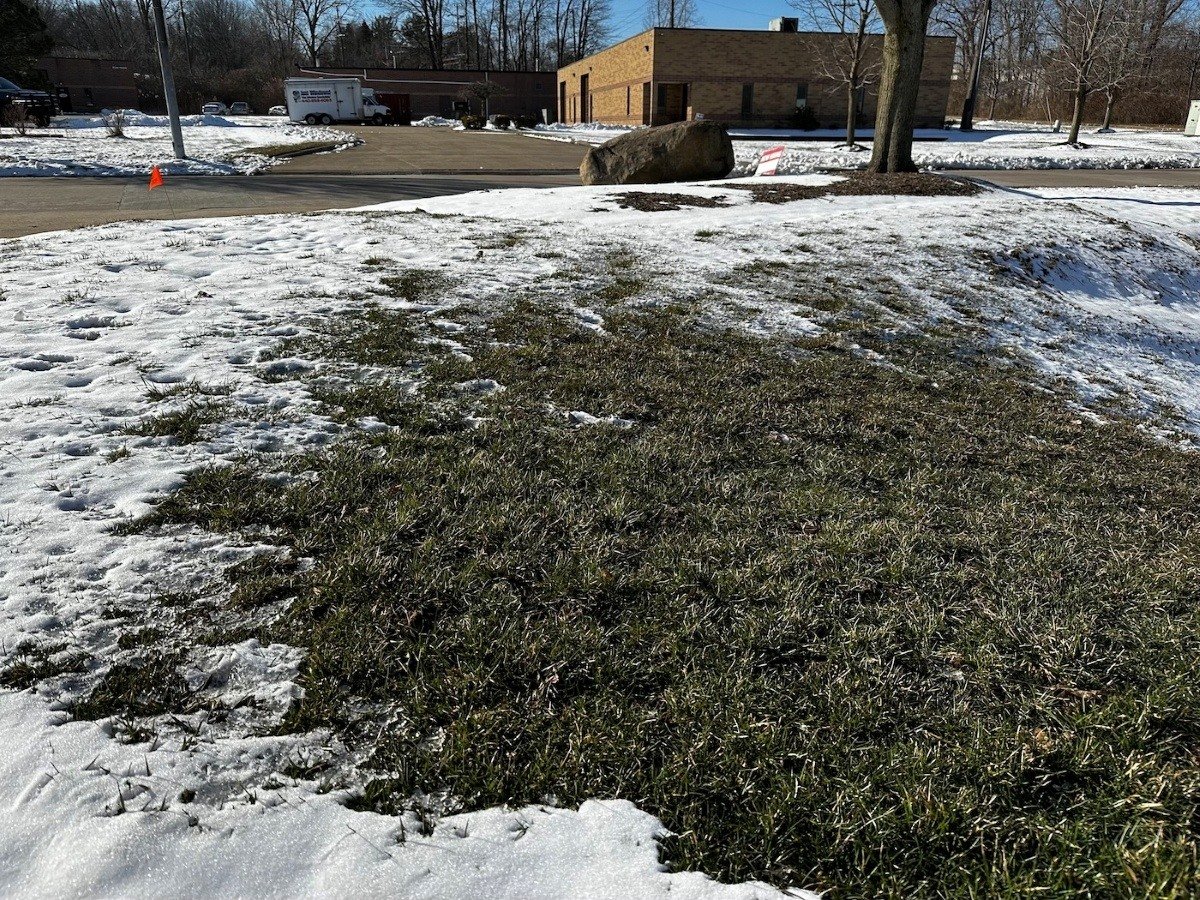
747, 101
861, 99
801, 96
662, 96
628, 101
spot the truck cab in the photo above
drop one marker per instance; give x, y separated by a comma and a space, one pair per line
39, 106
374, 111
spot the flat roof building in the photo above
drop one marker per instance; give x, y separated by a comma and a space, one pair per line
746, 78
418, 93
89, 82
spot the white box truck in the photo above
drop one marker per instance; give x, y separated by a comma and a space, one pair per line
323, 101
1192, 128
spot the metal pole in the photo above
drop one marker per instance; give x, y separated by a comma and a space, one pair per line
968, 116
164, 61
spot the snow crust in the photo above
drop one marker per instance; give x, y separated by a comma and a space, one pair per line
992, 145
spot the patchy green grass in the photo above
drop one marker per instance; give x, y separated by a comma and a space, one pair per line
915, 632
157, 393
147, 688
185, 425
31, 663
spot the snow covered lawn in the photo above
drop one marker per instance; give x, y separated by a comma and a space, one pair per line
256, 350
215, 145
993, 145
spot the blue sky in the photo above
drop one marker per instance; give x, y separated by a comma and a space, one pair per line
629, 15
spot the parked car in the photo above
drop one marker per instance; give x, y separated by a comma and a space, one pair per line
239, 108
277, 111
40, 107
214, 108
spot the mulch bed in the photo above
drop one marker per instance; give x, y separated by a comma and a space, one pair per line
659, 202
862, 184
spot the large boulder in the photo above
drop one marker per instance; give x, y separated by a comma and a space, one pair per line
683, 151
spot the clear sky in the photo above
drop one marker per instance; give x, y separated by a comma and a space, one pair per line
629, 16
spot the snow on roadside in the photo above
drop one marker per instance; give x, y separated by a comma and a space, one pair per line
992, 146
1098, 290
215, 145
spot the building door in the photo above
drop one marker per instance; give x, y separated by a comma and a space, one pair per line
562, 101
584, 99
399, 104
646, 103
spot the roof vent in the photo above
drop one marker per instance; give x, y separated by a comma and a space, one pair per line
783, 23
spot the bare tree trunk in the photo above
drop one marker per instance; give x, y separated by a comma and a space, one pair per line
1110, 102
903, 56
851, 112
1081, 93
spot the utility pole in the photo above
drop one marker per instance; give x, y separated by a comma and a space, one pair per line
164, 61
671, 20
968, 113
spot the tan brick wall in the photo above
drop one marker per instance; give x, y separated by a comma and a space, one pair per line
716, 63
614, 76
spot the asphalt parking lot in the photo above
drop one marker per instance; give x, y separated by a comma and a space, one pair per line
441, 151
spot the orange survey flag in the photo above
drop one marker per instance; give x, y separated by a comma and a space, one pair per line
156, 179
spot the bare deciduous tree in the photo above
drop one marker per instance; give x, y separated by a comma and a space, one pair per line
847, 61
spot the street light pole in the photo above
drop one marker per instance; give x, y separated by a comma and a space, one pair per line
968, 114
164, 61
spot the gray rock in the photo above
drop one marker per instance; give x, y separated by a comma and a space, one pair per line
682, 151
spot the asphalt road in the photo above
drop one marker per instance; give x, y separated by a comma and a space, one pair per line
32, 205
440, 151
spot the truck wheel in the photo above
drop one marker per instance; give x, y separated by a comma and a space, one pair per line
326, 119
310, 119
377, 119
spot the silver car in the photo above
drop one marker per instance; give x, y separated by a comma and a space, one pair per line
214, 108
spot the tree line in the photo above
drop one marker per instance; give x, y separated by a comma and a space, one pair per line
1051, 60
242, 49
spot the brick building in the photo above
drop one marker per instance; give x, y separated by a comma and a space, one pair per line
88, 82
747, 78
428, 92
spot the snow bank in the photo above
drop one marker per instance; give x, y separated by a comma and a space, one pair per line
992, 145
215, 145
435, 122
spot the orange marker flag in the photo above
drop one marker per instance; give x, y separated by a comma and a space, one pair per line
156, 179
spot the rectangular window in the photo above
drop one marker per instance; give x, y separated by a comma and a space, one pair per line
628, 101
801, 96
747, 101
662, 96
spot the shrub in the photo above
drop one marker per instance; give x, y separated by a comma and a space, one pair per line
114, 124
527, 121
16, 117
472, 123
805, 119
502, 121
